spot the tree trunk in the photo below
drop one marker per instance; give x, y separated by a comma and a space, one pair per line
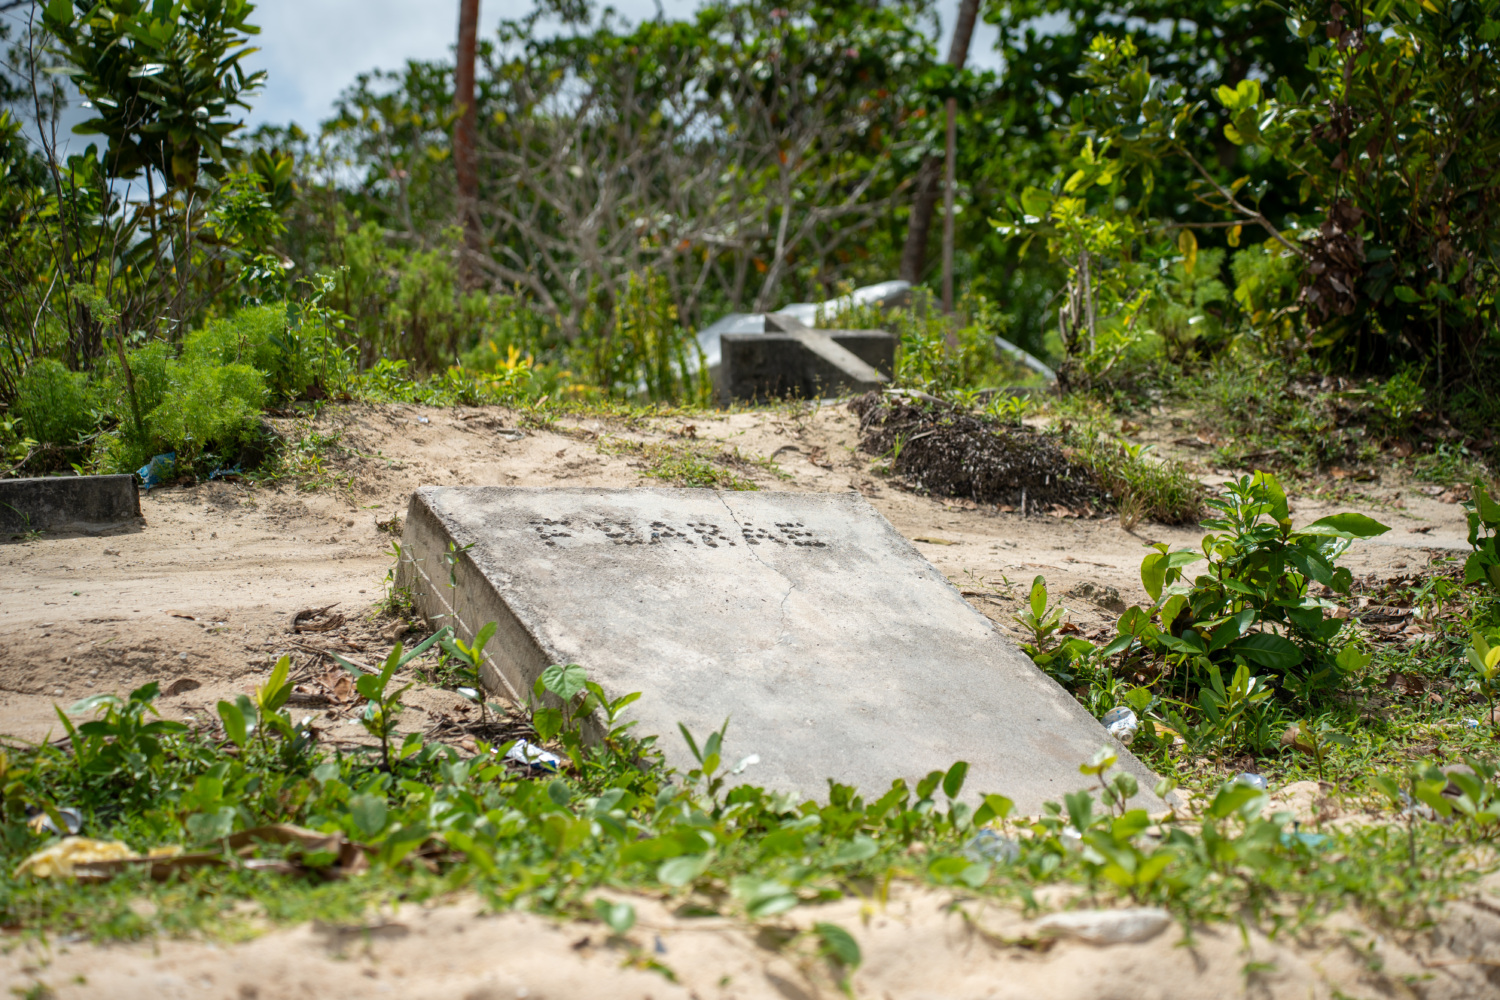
950, 181
465, 141
924, 201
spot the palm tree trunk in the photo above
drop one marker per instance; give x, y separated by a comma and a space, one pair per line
466, 139
924, 202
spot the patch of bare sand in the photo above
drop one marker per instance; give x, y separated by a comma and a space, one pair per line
923, 944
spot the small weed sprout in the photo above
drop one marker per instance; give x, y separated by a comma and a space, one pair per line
1038, 620
469, 658
1484, 657
1008, 410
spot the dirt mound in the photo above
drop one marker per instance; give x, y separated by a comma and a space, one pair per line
945, 451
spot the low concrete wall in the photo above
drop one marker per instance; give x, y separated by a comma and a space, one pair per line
56, 503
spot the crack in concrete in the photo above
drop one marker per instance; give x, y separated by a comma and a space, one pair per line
791, 584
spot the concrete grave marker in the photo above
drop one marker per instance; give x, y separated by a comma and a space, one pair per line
831, 645
67, 503
790, 359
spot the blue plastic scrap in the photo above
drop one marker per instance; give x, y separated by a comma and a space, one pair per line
156, 470
223, 473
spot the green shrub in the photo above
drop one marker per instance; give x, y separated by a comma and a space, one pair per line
54, 404
1186, 311
1398, 402
293, 354
208, 406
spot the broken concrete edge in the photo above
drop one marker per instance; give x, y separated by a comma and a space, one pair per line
68, 503
457, 595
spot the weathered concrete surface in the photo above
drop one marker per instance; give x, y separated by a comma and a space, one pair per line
56, 503
789, 359
831, 645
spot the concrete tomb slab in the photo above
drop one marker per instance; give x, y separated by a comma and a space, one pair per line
53, 503
789, 359
834, 649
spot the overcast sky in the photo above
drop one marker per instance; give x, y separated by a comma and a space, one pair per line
312, 49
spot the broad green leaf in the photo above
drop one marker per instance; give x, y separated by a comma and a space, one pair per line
953, 781
1268, 650
94, 701
234, 723
565, 681
1234, 797
277, 689
368, 813
1039, 596
618, 917
1275, 496
680, 871
994, 807
1347, 525
480, 641
1153, 574
1487, 509
839, 944
1036, 202
861, 848
214, 825
547, 722
1352, 658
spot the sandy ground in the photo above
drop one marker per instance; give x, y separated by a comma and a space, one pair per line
920, 944
200, 595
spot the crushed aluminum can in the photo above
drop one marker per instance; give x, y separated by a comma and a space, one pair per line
1255, 781
1121, 723
989, 846
534, 757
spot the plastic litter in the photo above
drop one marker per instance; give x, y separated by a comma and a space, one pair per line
533, 756
223, 473
1471, 723
1255, 781
1121, 723
1071, 838
1105, 927
423, 420
155, 471
72, 819
989, 846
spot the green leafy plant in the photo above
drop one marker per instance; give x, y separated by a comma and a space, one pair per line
1484, 657
1483, 564
1314, 740
120, 740
1253, 604
469, 658
1040, 622
383, 705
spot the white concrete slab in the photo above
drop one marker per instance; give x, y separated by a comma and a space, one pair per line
831, 645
